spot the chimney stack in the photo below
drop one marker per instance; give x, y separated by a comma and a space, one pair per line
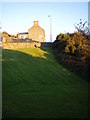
36, 23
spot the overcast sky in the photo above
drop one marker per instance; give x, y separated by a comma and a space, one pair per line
19, 16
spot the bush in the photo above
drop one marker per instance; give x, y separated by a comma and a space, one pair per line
73, 50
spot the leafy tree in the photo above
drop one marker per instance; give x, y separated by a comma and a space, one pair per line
60, 37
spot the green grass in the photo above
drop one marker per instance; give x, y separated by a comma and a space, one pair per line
35, 85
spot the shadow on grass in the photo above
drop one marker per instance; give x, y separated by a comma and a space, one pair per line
17, 65
80, 69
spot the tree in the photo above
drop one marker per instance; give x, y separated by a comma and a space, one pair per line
82, 27
77, 43
60, 37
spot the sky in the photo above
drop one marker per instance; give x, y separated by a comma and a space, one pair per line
19, 16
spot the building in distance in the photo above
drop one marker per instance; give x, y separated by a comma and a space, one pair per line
36, 32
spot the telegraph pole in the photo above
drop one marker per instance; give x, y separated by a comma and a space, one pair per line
50, 28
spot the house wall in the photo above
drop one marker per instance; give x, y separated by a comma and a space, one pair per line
36, 32
6, 39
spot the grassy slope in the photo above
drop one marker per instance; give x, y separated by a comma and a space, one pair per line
35, 85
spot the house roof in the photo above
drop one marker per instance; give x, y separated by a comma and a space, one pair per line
36, 26
24, 33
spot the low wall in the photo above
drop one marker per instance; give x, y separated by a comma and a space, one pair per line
46, 44
20, 45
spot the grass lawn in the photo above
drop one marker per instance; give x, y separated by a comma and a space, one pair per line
35, 85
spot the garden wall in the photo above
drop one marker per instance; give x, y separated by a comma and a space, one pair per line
20, 45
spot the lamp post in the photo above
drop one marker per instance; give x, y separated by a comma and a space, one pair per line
50, 28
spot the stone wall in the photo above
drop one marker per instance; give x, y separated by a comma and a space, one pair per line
46, 44
20, 45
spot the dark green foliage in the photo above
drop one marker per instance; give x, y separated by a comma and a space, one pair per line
74, 49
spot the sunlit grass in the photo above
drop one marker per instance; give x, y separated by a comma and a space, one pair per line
35, 52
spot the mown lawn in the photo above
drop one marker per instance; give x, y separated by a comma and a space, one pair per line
36, 85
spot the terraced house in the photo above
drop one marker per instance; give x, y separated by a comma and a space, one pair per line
35, 33
22, 35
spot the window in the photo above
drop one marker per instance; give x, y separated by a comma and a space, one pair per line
40, 36
20, 36
24, 36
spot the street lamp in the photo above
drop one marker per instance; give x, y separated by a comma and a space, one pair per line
50, 28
